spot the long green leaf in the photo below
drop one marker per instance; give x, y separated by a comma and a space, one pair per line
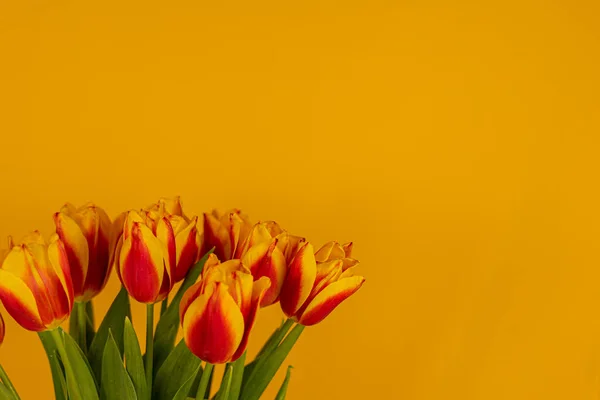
180, 367
184, 390
225, 384
271, 344
83, 378
134, 361
255, 386
166, 329
236, 377
115, 321
116, 384
284, 386
58, 375
5, 393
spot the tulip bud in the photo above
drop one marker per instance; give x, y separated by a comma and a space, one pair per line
333, 283
86, 234
266, 259
167, 205
218, 312
187, 244
145, 257
35, 283
299, 280
333, 251
225, 232
188, 240
2, 330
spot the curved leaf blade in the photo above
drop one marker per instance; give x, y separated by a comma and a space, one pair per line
116, 384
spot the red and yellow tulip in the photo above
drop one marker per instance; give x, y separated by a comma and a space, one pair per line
218, 312
331, 271
267, 251
188, 240
85, 231
225, 232
35, 283
145, 256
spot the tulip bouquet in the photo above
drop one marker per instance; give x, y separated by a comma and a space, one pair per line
209, 276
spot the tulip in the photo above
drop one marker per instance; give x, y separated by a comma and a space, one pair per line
188, 244
334, 281
188, 240
85, 231
333, 251
299, 281
35, 283
225, 232
171, 206
265, 259
218, 312
145, 257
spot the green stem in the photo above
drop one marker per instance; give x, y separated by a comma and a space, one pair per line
163, 306
204, 381
8, 383
81, 325
74, 392
149, 344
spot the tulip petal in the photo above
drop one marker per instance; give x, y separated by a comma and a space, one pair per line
188, 298
265, 259
330, 251
96, 227
187, 244
77, 249
299, 280
213, 326
215, 235
19, 302
348, 249
141, 263
57, 255
329, 298
259, 290
2, 328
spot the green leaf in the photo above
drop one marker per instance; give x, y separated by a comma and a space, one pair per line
236, 377
115, 321
180, 367
83, 375
184, 390
166, 329
283, 389
58, 375
225, 388
134, 361
5, 393
271, 344
116, 384
194, 387
257, 384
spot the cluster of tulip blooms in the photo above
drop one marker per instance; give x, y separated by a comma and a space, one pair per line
227, 269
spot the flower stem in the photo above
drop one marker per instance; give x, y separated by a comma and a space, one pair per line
8, 383
74, 392
81, 325
149, 344
204, 381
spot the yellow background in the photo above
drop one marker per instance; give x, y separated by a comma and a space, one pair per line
456, 144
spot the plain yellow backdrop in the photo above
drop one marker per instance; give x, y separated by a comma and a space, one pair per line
456, 144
